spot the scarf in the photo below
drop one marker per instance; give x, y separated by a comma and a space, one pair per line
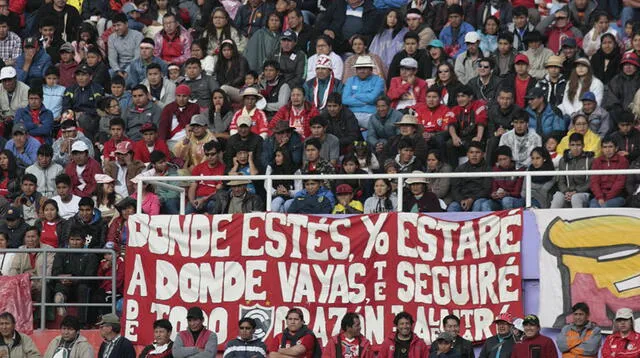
293, 339
329, 89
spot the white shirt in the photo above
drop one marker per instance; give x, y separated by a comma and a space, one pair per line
67, 210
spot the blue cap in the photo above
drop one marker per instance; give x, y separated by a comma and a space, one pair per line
588, 96
569, 42
436, 43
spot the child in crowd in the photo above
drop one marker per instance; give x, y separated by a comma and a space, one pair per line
118, 90
53, 93
346, 204
116, 129
142, 149
67, 65
550, 145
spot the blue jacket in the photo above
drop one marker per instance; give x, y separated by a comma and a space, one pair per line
360, 96
137, 71
39, 66
53, 99
23, 115
30, 154
320, 203
380, 131
446, 36
551, 122
389, 4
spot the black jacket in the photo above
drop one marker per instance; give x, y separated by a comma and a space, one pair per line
15, 235
628, 143
336, 15
82, 99
292, 67
476, 188
498, 118
461, 346
546, 85
250, 202
74, 264
253, 143
486, 93
346, 127
123, 349
620, 91
95, 231
492, 344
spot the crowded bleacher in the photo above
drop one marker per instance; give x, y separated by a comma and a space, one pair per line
98, 94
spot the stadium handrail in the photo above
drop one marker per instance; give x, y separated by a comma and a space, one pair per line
44, 278
399, 176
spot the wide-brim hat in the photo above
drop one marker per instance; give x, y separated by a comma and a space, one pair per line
364, 62
250, 91
416, 180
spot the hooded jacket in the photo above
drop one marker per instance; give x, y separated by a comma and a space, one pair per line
417, 347
167, 93
584, 24
578, 343
591, 143
546, 85
555, 35
95, 230
80, 348
550, 122
620, 91
608, 186
575, 183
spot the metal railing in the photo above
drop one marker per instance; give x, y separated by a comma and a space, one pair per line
399, 176
43, 304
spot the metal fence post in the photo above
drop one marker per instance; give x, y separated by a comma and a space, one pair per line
527, 183
139, 201
400, 192
43, 290
182, 201
269, 194
114, 259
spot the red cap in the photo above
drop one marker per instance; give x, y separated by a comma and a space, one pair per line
630, 57
183, 90
124, 147
344, 189
521, 58
148, 127
506, 317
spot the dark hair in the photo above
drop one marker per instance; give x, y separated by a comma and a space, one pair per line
52, 70
157, 156
505, 35
384, 98
520, 11
48, 21
335, 97
51, 202
476, 144
63, 178
519, 114
116, 121
86, 201
399, 23
153, 66
271, 63
251, 321
405, 143
318, 120
580, 306
226, 30
12, 166
315, 142
448, 317
252, 73
348, 320
211, 145
491, 18
142, 88
8, 316
36, 91
546, 165
30, 177
227, 70
328, 40
149, 41
576, 137
193, 61
4, 19
488, 60
411, 35
403, 315
46, 150
32, 228
504, 150
455, 9
71, 322
163, 323
436, 153
117, 80
608, 139
101, 195
296, 310
119, 17
93, 34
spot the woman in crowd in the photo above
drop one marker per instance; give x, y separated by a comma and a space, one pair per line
359, 48
231, 67
541, 186
51, 225
437, 56
108, 108
199, 51
87, 35
580, 81
383, 199
362, 188
439, 186
591, 139
220, 28
282, 190
489, 35
106, 197
324, 47
389, 39
220, 114
10, 174
448, 84
263, 43
606, 61
592, 40
417, 199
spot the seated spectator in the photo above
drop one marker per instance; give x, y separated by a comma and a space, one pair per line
470, 194
314, 163
282, 190
284, 139
490, 28
141, 111
291, 62
97, 64
53, 92
330, 144
258, 119
383, 199
104, 291
66, 200
520, 81
505, 191
553, 83
118, 228
246, 343
323, 47
344, 19
36, 118
32, 64
407, 90
625, 340
362, 188
70, 342
466, 62
18, 344
14, 227
106, 196
591, 140
439, 186
83, 99
116, 130
123, 44
403, 338
113, 342
581, 81
542, 117
32, 264
467, 124
598, 117
622, 88
434, 117
162, 343
169, 199
5, 257
573, 190
406, 161
485, 84
230, 66
504, 56
89, 221
499, 120
418, 199
388, 40
119, 91
533, 338
238, 199
408, 128
361, 91
627, 137
137, 69
359, 48
537, 54
176, 116
10, 174
12, 44
341, 122
382, 124
13, 94
410, 50
443, 346
70, 135
124, 169
196, 339
173, 43
143, 148
297, 113
244, 164
313, 199
252, 16
82, 169
273, 88
23, 146
345, 202
51, 225
67, 65
608, 190
29, 199
557, 27
247, 140
264, 42
191, 148
201, 194
606, 61
220, 113
581, 337
162, 90
541, 187
453, 34
201, 85
73, 264
520, 139
318, 88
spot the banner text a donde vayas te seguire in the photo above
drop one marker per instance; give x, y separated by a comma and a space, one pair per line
262, 264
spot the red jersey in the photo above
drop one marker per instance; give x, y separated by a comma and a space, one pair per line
433, 120
616, 346
207, 187
141, 151
108, 152
259, 122
467, 119
307, 340
48, 235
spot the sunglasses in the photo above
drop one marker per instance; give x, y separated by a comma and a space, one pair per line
484, 66
211, 154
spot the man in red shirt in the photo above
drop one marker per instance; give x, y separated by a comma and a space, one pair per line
434, 117
201, 193
625, 342
467, 125
350, 343
296, 340
533, 343
149, 143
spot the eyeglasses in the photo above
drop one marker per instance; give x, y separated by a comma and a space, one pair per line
484, 66
245, 328
561, 17
211, 154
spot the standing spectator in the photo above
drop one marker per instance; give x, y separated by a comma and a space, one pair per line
33, 63
45, 170
17, 344
500, 345
123, 45
13, 94
625, 341
37, 119
10, 43
82, 170
403, 339
573, 190
196, 341
162, 343
361, 91
558, 26
350, 339
534, 341
453, 34
173, 43
520, 139
22, 146
114, 345
141, 111
608, 190
346, 18
581, 338
201, 85
469, 194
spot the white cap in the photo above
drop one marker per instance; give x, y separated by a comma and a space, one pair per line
79, 146
471, 37
624, 313
7, 72
409, 62
324, 61
363, 61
